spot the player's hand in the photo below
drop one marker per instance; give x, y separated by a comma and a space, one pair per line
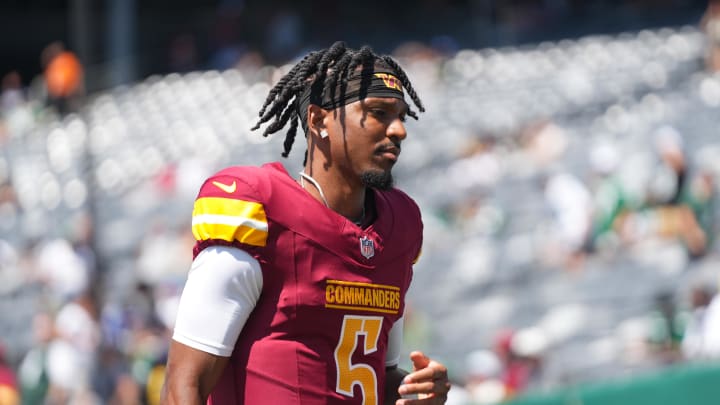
428, 381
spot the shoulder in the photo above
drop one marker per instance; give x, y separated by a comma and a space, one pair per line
401, 205
233, 182
242, 182
232, 207
402, 220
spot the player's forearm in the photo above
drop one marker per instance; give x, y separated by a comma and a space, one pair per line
191, 375
393, 378
179, 394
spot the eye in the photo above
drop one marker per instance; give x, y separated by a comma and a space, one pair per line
379, 113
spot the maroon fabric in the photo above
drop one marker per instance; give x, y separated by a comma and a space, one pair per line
7, 377
286, 353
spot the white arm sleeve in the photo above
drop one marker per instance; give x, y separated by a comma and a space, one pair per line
222, 289
395, 340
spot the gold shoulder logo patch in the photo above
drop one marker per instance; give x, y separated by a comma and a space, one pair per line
390, 81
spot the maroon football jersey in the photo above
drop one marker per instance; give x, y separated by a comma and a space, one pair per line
331, 289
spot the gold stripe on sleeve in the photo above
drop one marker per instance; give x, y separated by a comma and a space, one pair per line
243, 234
230, 220
229, 206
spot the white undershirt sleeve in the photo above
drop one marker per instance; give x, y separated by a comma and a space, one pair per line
221, 291
395, 340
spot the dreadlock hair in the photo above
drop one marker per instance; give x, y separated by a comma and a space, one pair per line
322, 71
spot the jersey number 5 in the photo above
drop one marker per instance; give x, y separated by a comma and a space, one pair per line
349, 374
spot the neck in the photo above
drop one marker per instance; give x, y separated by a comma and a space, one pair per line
341, 196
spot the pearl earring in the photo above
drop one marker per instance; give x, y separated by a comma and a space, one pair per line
324, 133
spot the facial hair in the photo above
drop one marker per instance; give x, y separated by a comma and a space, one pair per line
377, 179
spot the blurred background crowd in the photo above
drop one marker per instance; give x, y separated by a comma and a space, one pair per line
566, 168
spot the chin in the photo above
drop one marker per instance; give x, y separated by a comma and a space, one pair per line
379, 179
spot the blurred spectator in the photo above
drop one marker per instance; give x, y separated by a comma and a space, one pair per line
12, 94
134, 344
72, 354
14, 110
63, 77
155, 381
665, 207
460, 396
9, 394
670, 173
80, 234
127, 391
9, 208
610, 199
543, 142
521, 355
700, 199
571, 206
478, 169
112, 365
671, 193
11, 272
695, 342
667, 327
251, 63
412, 51
710, 25
33, 370
65, 273
183, 179
483, 381
162, 256
703, 329
524, 372
503, 346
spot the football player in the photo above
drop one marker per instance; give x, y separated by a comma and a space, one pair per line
297, 289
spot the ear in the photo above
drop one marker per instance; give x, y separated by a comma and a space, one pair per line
316, 120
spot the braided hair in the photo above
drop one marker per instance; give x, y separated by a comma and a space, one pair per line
322, 71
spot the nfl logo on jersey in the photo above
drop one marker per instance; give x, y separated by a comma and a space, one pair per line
367, 247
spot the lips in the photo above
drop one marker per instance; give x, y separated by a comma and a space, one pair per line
390, 152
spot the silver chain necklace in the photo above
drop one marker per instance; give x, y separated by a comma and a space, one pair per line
304, 176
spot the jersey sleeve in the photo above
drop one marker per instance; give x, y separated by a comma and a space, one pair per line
395, 340
225, 282
229, 212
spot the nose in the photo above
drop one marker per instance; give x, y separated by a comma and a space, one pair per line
397, 129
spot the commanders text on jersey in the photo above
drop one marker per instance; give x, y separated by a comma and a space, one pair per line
362, 296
